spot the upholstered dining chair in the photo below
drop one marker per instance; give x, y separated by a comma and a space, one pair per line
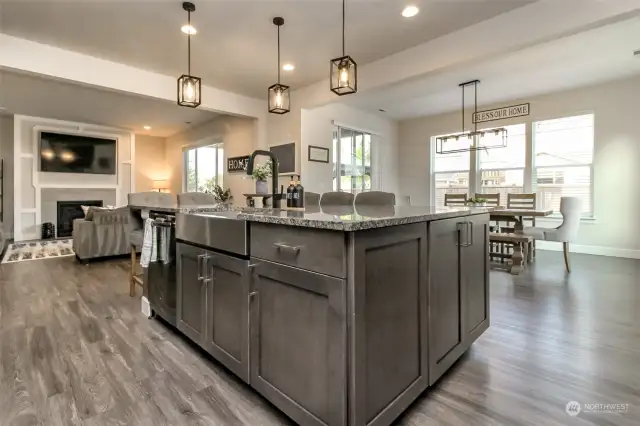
336, 198
375, 198
311, 198
196, 199
455, 200
145, 201
571, 209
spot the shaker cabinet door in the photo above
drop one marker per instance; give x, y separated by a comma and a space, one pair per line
445, 293
228, 312
298, 342
475, 277
192, 300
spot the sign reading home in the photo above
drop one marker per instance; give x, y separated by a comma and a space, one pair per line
501, 113
237, 164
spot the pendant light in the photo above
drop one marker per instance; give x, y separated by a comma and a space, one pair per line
188, 85
278, 93
343, 76
473, 140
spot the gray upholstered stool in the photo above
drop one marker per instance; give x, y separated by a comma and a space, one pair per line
375, 198
337, 199
135, 238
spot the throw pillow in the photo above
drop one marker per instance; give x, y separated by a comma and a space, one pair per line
92, 210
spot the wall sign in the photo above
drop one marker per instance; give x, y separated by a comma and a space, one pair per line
501, 113
237, 164
318, 154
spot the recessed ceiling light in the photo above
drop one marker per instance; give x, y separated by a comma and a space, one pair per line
288, 67
410, 11
147, 127
189, 29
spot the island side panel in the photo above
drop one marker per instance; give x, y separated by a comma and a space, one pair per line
387, 284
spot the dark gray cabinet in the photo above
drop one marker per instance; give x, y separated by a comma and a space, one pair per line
458, 288
227, 325
298, 342
192, 301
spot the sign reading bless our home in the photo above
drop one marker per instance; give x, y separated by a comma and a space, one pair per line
501, 113
237, 164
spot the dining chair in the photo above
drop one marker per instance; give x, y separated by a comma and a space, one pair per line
375, 198
525, 201
136, 236
455, 200
571, 209
196, 199
493, 200
311, 198
337, 198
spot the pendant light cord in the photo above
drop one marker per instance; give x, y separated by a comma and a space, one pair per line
278, 54
475, 109
343, 13
462, 109
189, 44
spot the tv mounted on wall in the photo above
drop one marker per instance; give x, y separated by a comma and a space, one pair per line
63, 153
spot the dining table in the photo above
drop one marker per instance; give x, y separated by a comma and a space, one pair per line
517, 215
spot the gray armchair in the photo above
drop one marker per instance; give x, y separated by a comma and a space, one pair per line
106, 234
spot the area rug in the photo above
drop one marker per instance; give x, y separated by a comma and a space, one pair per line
34, 250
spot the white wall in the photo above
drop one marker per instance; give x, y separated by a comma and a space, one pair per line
6, 153
616, 177
151, 162
239, 137
317, 130
29, 181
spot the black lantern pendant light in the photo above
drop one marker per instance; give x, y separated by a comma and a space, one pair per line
188, 85
279, 93
344, 70
473, 140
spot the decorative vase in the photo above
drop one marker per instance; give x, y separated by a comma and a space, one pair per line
262, 187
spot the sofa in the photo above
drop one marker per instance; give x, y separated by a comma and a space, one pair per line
104, 233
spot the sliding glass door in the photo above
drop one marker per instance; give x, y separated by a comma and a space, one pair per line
351, 160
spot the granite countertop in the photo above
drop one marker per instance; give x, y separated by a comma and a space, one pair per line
350, 218
338, 218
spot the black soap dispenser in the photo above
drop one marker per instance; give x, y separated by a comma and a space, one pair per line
290, 190
299, 195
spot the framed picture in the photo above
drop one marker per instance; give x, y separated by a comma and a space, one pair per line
318, 154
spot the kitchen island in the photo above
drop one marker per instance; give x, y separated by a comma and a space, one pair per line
340, 315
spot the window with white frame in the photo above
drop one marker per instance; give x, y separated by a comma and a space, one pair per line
451, 172
563, 161
502, 169
203, 168
351, 160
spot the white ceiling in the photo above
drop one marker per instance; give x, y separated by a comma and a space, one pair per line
235, 48
42, 97
586, 58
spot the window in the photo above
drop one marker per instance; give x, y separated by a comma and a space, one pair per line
204, 168
351, 160
563, 156
502, 169
451, 172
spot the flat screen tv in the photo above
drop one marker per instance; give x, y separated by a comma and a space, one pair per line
62, 153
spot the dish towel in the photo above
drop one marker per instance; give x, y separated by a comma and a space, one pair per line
148, 254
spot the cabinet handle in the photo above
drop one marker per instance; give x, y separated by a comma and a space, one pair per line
281, 246
459, 226
470, 234
200, 262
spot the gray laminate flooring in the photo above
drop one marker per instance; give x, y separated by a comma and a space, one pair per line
75, 350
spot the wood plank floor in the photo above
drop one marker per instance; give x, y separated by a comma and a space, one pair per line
75, 350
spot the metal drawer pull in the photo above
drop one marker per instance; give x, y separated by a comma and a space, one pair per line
285, 247
200, 264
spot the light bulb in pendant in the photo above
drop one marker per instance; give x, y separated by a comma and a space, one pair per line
344, 76
189, 90
278, 101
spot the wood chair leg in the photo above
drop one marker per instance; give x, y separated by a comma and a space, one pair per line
517, 264
132, 280
565, 247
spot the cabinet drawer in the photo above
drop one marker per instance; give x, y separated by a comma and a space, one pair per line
316, 250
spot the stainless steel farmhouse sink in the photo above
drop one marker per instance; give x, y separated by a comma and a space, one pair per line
214, 230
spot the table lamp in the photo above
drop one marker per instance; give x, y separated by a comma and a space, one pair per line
160, 185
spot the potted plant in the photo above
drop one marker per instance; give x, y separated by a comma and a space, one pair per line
260, 174
477, 202
222, 195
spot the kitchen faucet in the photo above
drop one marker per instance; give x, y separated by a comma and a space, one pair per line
274, 174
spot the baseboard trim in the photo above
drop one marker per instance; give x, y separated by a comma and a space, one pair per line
594, 250
145, 307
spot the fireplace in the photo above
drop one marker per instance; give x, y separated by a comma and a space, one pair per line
68, 211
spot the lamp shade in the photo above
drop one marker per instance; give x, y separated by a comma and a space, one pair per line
160, 184
279, 99
189, 91
344, 75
